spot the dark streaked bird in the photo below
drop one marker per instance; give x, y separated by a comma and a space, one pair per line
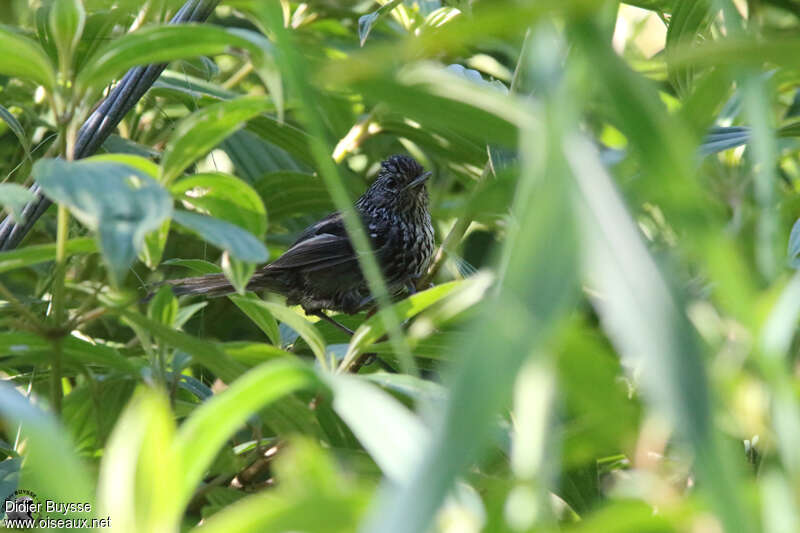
321, 271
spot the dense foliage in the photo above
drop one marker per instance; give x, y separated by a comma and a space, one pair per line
606, 340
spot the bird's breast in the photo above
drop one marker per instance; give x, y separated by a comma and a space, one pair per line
404, 244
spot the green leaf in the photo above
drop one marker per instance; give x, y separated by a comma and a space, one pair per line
306, 478
203, 352
225, 197
285, 136
50, 464
41, 253
198, 265
366, 22
303, 327
793, 252
186, 313
237, 272
414, 388
255, 353
163, 308
392, 435
200, 132
688, 22
373, 328
14, 197
138, 480
646, 322
260, 315
119, 202
215, 421
16, 128
538, 273
28, 60
233, 239
67, 19
291, 194
164, 43
77, 351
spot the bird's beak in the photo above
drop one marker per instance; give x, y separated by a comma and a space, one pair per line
422, 178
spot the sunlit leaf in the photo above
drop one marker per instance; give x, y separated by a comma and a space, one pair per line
119, 202
14, 197
40, 253
28, 61
366, 22
201, 436
239, 243
201, 131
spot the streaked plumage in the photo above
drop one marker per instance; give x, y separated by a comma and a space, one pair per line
320, 270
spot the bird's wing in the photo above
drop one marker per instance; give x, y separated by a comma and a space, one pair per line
332, 224
313, 253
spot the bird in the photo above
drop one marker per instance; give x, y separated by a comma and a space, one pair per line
320, 270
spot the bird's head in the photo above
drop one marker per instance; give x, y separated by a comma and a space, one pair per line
400, 185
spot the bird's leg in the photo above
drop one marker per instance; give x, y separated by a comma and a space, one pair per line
331, 321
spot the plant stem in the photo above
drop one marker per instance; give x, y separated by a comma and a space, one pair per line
59, 311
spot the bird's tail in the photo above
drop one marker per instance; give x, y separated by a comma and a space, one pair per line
209, 285
212, 285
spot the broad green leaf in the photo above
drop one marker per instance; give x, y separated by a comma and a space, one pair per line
67, 20
253, 156
366, 22
164, 43
646, 322
77, 351
154, 241
186, 313
225, 197
28, 60
293, 140
260, 315
200, 132
292, 319
119, 202
239, 243
720, 139
205, 353
373, 328
16, 128
793, 251
14, 197
238, 272
289, 194
163, 308
138, 162
686, 26
50, 464
253, 353
198, 265
392, 435
138, 478
538, 278
414, 388
306, 479
213, 423
41, 253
